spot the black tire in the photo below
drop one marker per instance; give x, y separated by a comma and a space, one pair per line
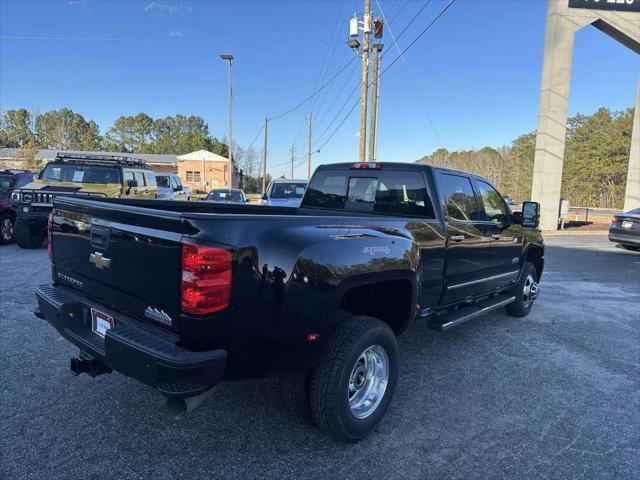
294, 390
29, 235
523, 303
6, 228
630, 247
330, 381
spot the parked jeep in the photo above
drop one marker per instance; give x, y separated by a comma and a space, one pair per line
85, 175
9, 181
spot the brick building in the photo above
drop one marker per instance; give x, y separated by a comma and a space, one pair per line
202, 170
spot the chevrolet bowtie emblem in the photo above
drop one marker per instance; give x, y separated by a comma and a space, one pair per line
99, 260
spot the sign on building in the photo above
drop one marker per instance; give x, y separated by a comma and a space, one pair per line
619, 5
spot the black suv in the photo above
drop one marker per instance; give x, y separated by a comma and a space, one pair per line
9, 181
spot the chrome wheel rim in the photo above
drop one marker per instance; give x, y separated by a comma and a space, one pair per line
7, 229
530, 290
368, 381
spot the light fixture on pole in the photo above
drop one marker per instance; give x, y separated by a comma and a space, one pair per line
229, 178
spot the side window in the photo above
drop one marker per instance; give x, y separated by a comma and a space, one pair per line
128, 175
494, 207
139, 177
460, 201
174, 182
150, 178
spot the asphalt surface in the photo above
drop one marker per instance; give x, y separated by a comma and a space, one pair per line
553, 396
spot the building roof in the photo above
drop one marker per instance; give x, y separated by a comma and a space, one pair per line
202, 155
45, 154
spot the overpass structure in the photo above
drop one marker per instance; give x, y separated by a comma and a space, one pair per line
620, 19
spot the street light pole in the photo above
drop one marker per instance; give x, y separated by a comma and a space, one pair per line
229, 178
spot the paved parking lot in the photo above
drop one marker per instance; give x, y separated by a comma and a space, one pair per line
554, 395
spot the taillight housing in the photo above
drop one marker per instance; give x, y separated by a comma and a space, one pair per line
50, 236
616, 219
206, 279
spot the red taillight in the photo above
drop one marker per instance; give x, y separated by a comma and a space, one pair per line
206, 279
49, 236
366, 166
616, 219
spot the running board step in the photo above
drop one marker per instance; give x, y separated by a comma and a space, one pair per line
449, 320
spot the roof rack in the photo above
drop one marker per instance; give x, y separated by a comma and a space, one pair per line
96, 159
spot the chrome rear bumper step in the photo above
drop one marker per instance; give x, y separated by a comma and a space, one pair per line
447, 321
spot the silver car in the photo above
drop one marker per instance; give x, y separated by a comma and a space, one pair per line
284, 192
170, 187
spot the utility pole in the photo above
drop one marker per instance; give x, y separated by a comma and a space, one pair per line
373, 114
229, 178
264, 160
364, 80
292, 155
309, 149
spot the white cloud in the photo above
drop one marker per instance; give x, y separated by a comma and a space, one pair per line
353, 135
81, 4
175, 34
166, 9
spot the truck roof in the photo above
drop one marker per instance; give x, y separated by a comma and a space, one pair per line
390, 166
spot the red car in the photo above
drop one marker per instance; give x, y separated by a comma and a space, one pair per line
10, 180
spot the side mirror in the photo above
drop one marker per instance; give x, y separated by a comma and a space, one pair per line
530, 214
177, 189
132, 183
263, 195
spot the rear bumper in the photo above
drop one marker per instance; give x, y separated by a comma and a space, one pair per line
131, 348
626, 239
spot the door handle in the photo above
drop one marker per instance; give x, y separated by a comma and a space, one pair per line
496, 236
457, 238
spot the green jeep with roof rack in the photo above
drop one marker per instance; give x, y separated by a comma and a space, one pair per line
84, 175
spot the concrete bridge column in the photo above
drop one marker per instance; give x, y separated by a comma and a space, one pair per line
632, 192
552, 116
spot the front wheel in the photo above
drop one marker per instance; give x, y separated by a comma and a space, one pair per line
29, 235
525, 291
352, 388
6, 228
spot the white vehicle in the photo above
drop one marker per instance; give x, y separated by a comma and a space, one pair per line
170, 187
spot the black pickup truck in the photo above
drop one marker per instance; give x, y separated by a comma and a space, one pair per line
183, 295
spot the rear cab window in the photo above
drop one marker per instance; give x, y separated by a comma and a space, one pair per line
402, 193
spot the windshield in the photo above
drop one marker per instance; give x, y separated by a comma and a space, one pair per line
288, 190
225, 196
162, 181
76, 173
5, 182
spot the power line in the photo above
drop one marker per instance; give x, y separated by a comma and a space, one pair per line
431, 23
324, 69
406, 65
292, 109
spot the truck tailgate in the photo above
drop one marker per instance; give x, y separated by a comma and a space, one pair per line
125, 257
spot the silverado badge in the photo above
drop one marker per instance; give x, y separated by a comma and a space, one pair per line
99, 260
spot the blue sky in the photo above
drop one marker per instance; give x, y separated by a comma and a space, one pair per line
472, 80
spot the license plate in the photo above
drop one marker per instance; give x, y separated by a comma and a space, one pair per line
100, 322
627, 224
